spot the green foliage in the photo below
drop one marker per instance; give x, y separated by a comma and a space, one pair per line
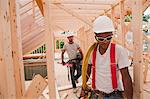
41, 49
128, 18
61, 44
146, 18
57, 44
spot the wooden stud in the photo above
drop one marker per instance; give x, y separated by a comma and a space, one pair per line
33, 8
113, 19
11, 65
49, 36
146, 70
138, 47
17, 48
122, 23
80, 36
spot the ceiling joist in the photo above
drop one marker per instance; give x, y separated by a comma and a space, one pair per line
40, 5
74, 14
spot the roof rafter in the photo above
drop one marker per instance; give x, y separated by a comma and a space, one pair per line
74, 14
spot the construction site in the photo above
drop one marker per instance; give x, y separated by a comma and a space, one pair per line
33, 34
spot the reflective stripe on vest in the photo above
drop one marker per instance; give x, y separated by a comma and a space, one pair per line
112, 65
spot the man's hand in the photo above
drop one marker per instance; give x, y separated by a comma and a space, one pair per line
84, 93
63, 63
127, 82
62, 57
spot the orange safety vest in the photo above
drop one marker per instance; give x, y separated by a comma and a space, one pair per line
112, 65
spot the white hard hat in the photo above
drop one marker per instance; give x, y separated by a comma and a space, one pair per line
69, 34
103, 24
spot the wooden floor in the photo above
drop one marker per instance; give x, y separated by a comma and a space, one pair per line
68, 94
63, 83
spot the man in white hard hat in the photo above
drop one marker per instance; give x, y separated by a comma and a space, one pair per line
106, 61
73, 49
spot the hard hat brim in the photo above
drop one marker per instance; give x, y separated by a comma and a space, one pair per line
97, 32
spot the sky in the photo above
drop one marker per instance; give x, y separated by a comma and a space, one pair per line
147, 11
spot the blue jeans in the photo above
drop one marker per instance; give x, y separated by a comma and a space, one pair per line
114, 96
72, 73
117, 95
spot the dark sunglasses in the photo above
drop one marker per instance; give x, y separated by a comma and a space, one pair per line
103, 38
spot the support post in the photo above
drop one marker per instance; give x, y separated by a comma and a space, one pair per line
49, 36
122, 17
138, 48
11, 64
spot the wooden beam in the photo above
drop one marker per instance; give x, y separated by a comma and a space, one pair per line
146, 5
40, 5
87, 7
36, 43
74, 14
56, 1
146, 70
33, 8
49, 37
25, 22
36, 87
17, 48
80, 36
10, 52
146, 38
25, 4
33, 33
34, 39
28, 30
29, 10
85, 2
59, 27
138, 47
122, 22
35, 63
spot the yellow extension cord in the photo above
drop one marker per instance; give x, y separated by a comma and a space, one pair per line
85, 64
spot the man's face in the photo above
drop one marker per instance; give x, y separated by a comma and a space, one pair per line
103, 38
70, 38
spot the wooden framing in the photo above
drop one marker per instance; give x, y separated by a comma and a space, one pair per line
40, 5
34, 44
49, 36
145, 70
146, 5
138, 45
122, 23
33, 8
17, 48
74, 14
11, 65
81, 37
36, 87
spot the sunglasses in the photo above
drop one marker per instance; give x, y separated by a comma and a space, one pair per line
103, 38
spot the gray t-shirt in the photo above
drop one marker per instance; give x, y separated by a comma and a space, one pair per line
71, 50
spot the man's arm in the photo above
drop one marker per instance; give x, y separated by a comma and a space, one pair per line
127, 82
80, 52
82, 94
88, 72
62, 56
